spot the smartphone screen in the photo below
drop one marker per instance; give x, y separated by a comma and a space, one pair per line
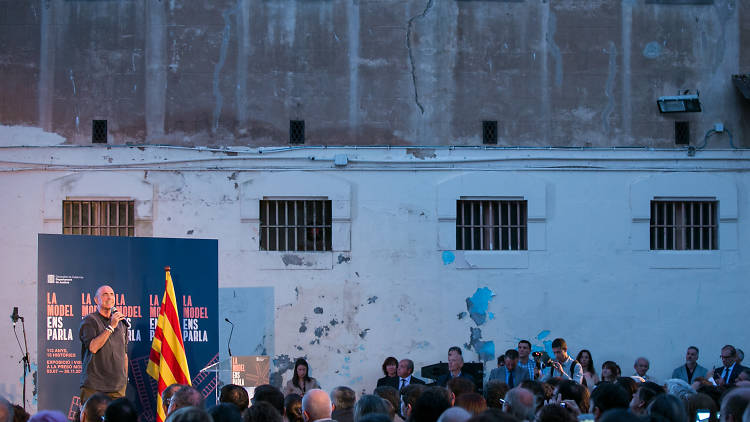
702, 415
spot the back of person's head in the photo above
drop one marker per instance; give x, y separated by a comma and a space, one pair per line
493, 415
667, 408
316, 404
621, 415
375, 417
46, 416
537, 389
121, 410
225, 412
734, 403
430, 405
370, 403
269, 394
494, 392
390, 395
293, 408
236, 395
571, 390
700, 401
555, 413
189, 414
454, 414
166, 395
647, 391
459, 386
473, 403
6, 410
628, 384
712, 391
520, 403
608, 396
186, 396
680, 388
20, 414
409, 396
343, 397
262, 412
94, 408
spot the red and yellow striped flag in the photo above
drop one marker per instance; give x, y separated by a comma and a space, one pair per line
167, 362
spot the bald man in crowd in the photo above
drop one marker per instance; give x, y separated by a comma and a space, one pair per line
316, 406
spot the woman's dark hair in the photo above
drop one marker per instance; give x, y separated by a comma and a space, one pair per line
261, 412
613, 368
473, 403
571, 390
295, 378
628, 384
370, 403
699, 401
293, 408
646, 392
667, 408
390, 360
590, 367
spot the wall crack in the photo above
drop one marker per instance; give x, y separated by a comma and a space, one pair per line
411, 54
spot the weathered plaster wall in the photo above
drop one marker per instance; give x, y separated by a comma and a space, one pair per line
393, 287
371, 72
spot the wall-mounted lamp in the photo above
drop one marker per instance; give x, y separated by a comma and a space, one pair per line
688, 103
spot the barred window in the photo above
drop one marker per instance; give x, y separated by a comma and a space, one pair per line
99, 217
491, 225
295, 225
684, 224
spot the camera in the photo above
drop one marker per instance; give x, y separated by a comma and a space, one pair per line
542, 358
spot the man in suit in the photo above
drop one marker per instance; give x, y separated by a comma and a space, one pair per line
728, 373
690, 370
405, 371
455, 363
511, 373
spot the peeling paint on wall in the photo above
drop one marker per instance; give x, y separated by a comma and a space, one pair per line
461, 315
372, 299
363, 333
318, 310
485, 349
448, 257
652, 50
342, 259
478, 303
303, 326
282, 363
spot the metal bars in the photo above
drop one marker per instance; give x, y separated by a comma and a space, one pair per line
491, 225
684, 225
99, 218
295, 225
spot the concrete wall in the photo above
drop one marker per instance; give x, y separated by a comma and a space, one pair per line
394, 283
372, 72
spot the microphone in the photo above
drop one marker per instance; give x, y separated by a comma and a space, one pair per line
229, 349
14, 316
124, 321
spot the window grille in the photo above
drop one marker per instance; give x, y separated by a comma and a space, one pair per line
296, 131
684, 225
295, 225
489, 132
99, 131
681, 133
491, 225
99, 218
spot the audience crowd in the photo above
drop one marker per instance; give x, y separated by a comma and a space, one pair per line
525, 387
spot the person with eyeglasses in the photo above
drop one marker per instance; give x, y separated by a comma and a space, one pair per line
730, 369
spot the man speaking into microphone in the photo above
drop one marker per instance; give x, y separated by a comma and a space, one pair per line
104, 341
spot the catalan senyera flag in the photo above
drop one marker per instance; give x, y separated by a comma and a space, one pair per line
167, 363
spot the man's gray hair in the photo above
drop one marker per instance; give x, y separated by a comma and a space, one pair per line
454, 414
679, 388
520, 403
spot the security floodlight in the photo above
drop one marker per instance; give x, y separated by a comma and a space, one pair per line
679, 104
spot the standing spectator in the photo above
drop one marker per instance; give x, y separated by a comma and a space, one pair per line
728, 373
404, 372
121, 410
301, 381
370, 403
564, 366
271, 395
524, 350
94, 408
510, 373
641, 366
343, 399
293, 409
690, 370
590, 379
667, 408
495, 393
225, 412
455, 364
186, 396
473, 403
734, 403
392, 397
236, 395
409, 396
608, 396
316, 406
520, 403
430, 405
390, 368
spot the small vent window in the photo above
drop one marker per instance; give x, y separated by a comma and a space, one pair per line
295, 225
296, 131
682, 133
684, 225
99, 131
491, 225
489, 132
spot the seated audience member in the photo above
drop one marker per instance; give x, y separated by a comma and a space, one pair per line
571, 390
262, 412
590, 379
409, 397
21, 415
186, 396
316, 405
43, 416
455, 365
510, 372
455, 414
390, 370
301, 381
271, 395
225, 412
628, 384
700, 401
641, 366
690, 370
166, 396
343, 399
643, 397
555, 413
667, 408
94, 408
458, 386
679, 388
608, 396
189, 414
493, 415
293, 409
520, 403
121, 410
430, 405
610, 371
563, 366
728, 373
390, 395
236, 395
495, 392
734, 403
473, 403
405, 373
370, 403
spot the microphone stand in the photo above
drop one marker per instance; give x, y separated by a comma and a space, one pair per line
25, 359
